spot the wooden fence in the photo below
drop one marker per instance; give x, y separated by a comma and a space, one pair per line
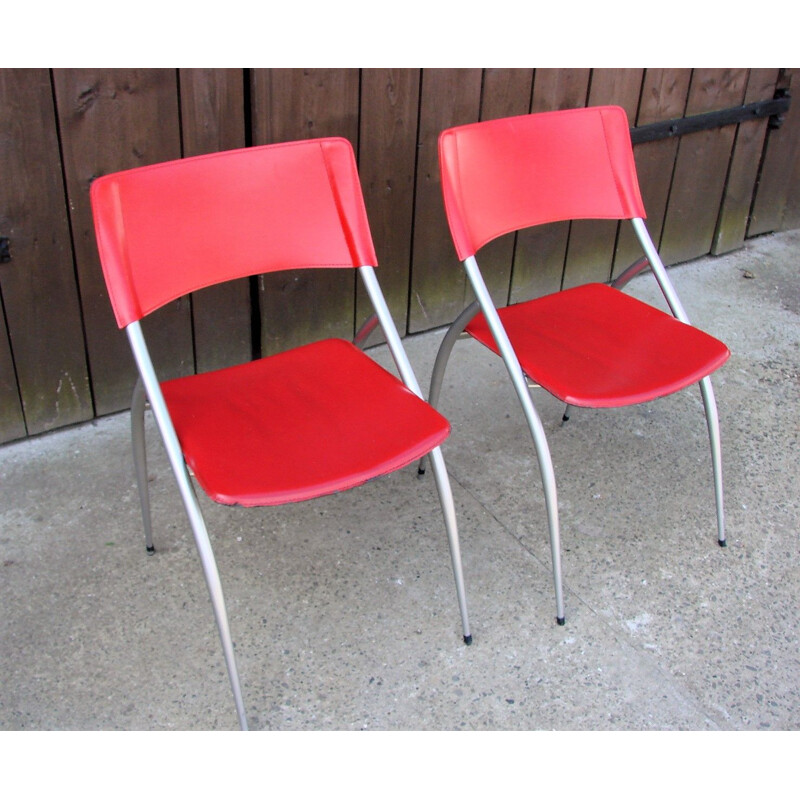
62, 359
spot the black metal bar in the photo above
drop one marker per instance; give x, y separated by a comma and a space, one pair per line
774, 109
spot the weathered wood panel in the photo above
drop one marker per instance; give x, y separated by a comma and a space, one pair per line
745, 161
298, 306
212, 119
541, 252
664, 95
590, 253
110, 120
697, 189
38, 283
387, 162
438, 284
701, 168
790, 219
777, 200
12, 420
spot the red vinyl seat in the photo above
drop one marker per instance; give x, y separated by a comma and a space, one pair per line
592, 345
312, 420
247, 431
600, 359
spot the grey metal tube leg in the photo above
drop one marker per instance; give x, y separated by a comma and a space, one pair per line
442, 357
712, 420
214, 584
138, 404
534, 424
449, 511
551, 504
203, 543
548, 484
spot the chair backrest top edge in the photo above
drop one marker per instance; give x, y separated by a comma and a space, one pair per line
511, 173
167, 229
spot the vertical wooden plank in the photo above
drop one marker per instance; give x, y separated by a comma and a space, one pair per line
212, 110
791, 209
748, 145
112, 120
664, 96
779, 183
12, 421
590, 253
212, 119
701, 168
387, 161
298, 306
38, 283
438, 285
541, 251
506, 93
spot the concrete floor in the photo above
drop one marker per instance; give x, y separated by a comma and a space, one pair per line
343, 609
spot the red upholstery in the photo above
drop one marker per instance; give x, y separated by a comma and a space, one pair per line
596, 347
507, 174
308, 422
301, 424
593, 345
169, 229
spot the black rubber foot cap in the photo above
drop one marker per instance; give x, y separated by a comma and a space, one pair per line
468, 639
565, 418
150, 550
722, 542
421, 471
561, 620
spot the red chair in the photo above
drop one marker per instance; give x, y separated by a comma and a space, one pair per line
590, 346
304, 423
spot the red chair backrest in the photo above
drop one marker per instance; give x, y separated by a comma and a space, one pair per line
507, 174
169, 229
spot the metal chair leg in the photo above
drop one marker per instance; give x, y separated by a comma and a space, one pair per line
442, 357
442, 481
189, 497
214, 584
712, 420
449, 511
550, 496
365, 331
534, 423
138, 404
200, 535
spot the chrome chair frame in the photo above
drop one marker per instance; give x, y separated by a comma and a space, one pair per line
522, 387
148, 389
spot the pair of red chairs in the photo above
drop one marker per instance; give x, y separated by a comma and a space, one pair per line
325, 417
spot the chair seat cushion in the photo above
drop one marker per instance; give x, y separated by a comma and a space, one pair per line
307, 422
596, 347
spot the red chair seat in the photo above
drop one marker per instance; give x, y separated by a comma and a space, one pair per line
311, 421
596, 347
